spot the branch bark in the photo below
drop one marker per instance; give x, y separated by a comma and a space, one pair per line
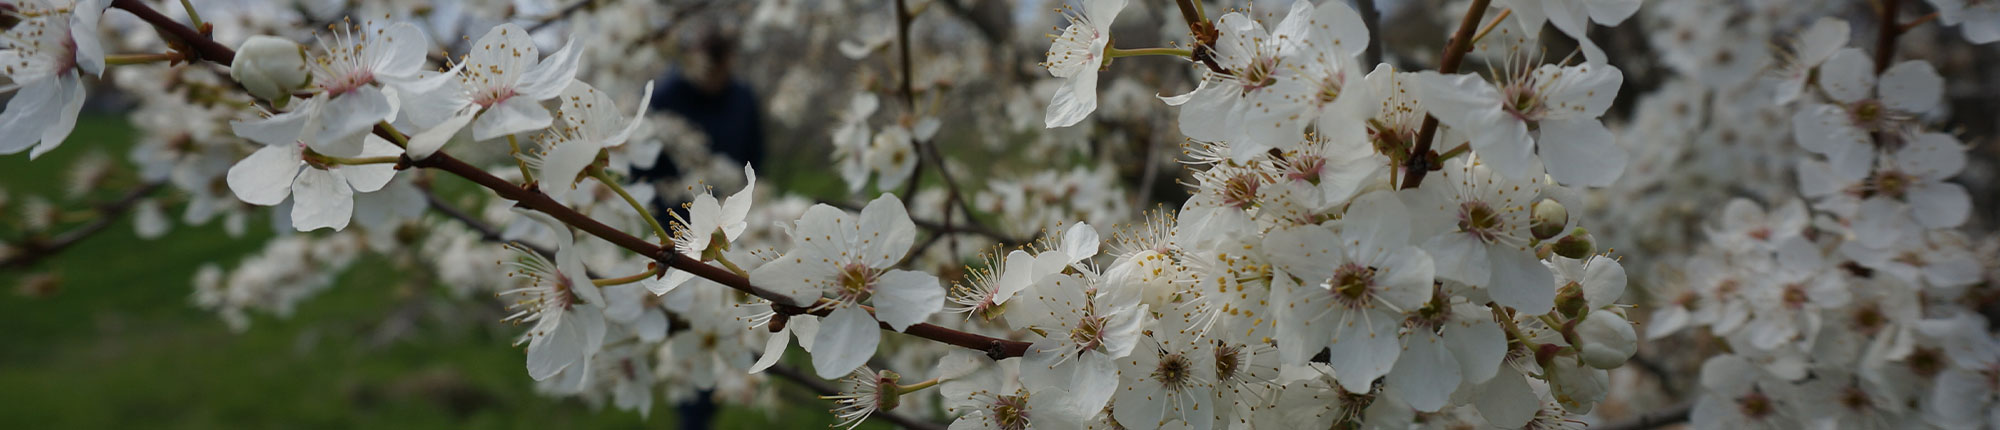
1420, 160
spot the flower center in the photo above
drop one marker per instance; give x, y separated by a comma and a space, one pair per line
1172, 372
1228, 360
1480, 220
1089, 333
1241, 190
856, 282
1010, 412
1755, 405
1891, 183
1351, 282
1795, 296
1854, 399
1306, 168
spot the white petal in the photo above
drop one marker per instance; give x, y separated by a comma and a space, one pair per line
1520, 281
427, 142
846, 338
562, 165
1426, 374
799, 279
55, 133
1460, 257
552, 75
1848, 76
1478, 346
344, 119
1603, 281
517, 114
1911, 86
265, 177
1581, 152
321, 198
1940, 204
904, 298
886, 232
774, 348
1507, 401
399, 50
1464, 101
1074, 100
1364, 348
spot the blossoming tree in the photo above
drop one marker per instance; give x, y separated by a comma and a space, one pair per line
1373, 235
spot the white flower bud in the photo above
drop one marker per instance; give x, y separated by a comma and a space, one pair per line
271, 68
1606, 339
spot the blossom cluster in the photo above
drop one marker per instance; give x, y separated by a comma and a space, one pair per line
1362, 245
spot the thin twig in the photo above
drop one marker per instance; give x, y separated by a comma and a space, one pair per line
1651, 420
1420, 160
33, 250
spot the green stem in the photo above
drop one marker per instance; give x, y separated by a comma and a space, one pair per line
131, 59
1461, 149
731, 265
514, 150
605, 178
192, 15
907, 389
356, 161
1177, 52
395, 136
641, 276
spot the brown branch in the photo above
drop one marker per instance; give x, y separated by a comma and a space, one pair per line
1421, 157
35, 250
1652, 420
536, 200
1885, 35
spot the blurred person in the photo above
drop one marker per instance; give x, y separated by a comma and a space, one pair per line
705, 91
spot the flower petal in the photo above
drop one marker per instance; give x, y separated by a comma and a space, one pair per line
904, 298
846, 338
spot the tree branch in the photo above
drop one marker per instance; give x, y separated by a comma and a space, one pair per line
536, 200
35, 250
1420, 160
1652, 420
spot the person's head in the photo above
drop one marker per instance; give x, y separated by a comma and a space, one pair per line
717, 50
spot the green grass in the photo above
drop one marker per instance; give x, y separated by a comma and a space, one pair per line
120, 345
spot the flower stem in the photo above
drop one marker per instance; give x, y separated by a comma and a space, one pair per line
912, 388
131, 59
1461, 149
1115, 52
514, 150
1489, 26
357, 161
606, 179
719, 258
641, 276
395, 136
1919, 21
192, 15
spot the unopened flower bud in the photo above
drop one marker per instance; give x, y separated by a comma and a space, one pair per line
1548, 220
1576, 245
1605, 340
271, 68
